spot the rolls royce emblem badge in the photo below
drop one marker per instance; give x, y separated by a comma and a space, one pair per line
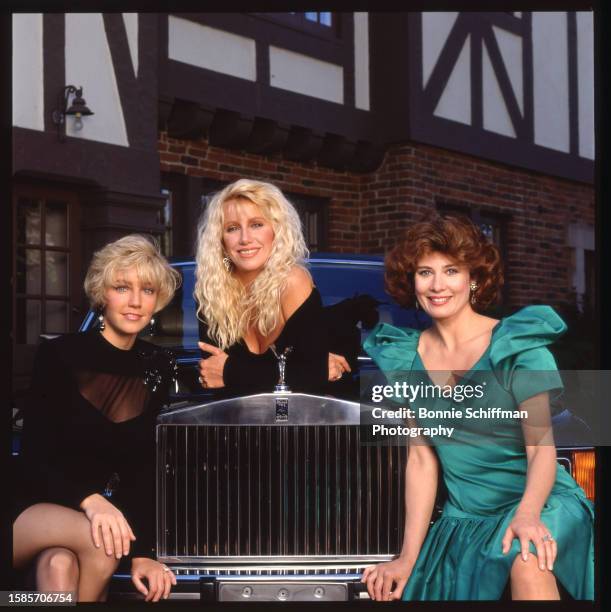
282, 409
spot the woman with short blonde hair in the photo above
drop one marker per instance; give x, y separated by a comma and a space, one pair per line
86, 498
133, 251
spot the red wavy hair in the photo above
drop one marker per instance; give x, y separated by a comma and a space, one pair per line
459, 239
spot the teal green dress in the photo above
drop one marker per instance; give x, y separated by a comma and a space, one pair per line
484, 470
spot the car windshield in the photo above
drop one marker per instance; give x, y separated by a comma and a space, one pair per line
176, 326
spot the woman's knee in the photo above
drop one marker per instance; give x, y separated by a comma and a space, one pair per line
527, 574
58, 566
46, 526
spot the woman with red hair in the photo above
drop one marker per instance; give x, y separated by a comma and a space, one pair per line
514, 517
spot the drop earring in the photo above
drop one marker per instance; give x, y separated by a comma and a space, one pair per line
227, 263
101, 325
473, 286
152, 327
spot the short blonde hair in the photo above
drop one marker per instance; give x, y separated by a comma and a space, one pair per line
134, 251
227, 307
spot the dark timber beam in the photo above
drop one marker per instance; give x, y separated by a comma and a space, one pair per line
188, 120
230, 129
367, 157
336, 152
267, 137
302, 144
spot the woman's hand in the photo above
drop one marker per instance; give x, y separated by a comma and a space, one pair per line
158, 576
104, 517
380, 579
211, 368
337, 366
527, 526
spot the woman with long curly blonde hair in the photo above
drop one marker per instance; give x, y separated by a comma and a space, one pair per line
255, 296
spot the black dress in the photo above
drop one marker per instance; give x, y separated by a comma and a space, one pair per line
89, 428
312, 331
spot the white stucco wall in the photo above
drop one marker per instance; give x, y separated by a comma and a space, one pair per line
131, 27
455, 101
495, 114
511, 49
551, 81
550, 68
89, 64
585, 81
361, 61
306, 75
28, 83
206, 47
435, 30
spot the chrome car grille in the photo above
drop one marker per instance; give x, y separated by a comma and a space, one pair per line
333, 570
275, 491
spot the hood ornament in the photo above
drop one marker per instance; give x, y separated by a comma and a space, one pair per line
281, 403
281, 386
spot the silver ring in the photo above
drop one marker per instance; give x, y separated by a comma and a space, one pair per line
166, 568
547, 538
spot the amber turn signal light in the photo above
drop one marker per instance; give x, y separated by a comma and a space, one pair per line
584, 463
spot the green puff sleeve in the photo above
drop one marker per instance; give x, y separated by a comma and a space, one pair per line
519, 353
393, 349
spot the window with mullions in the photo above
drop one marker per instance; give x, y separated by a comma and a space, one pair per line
312, 212
43, 267
321, 23
491, 224
322, 18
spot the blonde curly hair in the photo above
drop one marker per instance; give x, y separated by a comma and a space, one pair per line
224, 303
133, 251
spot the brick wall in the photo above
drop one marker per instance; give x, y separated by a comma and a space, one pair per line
343, 189
414, 179
367, 212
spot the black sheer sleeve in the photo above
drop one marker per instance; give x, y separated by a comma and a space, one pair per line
46, 417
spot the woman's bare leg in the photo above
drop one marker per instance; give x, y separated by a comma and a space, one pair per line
528, 582
57, 570
44, 526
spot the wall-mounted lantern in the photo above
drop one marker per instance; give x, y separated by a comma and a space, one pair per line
77, 109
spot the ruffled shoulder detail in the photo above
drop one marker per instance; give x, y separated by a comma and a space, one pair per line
529, 328
392, 348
